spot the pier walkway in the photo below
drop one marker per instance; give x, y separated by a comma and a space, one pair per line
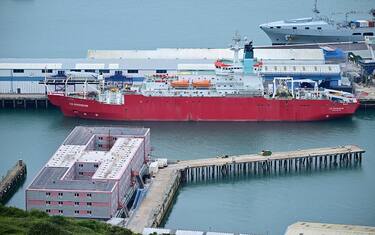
151, 211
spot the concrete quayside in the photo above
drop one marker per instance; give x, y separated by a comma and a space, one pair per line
164, 185
10, 183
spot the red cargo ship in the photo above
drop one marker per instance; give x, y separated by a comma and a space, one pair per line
148, 108
235, 93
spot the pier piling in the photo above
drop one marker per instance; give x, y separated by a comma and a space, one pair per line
14, 100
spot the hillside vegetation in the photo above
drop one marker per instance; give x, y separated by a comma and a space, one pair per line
17, 221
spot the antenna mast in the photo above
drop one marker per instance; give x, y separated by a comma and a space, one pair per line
315, 10
236, 47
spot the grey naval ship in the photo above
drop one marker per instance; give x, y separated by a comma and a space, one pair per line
319, 29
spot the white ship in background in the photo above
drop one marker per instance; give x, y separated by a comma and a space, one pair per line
319, 29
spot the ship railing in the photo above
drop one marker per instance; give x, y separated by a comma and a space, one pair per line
340, 96
109, 97
309, 93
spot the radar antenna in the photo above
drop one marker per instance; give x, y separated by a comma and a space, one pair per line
236, 47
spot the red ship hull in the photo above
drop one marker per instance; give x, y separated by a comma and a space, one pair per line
143, 108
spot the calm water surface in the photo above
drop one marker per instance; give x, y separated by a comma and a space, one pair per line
264, 205
47, 28
245, 204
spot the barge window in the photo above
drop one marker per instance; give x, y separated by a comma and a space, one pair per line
294, 27
18, 71
279, 27
103, 70
271, 27
319, 28
75, 70
90, 70
356, 33
118, 72
132, 70
161, 71
46, 70
368, 34
61, 72
307, 27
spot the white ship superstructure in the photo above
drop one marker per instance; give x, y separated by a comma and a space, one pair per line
319, 29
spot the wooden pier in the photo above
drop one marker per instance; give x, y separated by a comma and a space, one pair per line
155, 205
14, 100
12, 180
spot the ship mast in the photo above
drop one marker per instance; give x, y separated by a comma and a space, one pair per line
315, 9
236, 47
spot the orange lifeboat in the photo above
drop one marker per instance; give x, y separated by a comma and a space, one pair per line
202, 83
180, 83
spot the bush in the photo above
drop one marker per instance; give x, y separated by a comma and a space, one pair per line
17, 221
12, 212
44, 227
115, 230
90, 224
58, 220
38, 214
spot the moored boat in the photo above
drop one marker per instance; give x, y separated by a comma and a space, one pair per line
320, 29
234, 93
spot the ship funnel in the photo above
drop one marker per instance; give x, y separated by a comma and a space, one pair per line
372, 12
249, 50
248, 59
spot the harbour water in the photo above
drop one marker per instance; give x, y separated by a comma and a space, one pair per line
262, 205
43, 28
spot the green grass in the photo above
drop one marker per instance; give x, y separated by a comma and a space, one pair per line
17, 221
